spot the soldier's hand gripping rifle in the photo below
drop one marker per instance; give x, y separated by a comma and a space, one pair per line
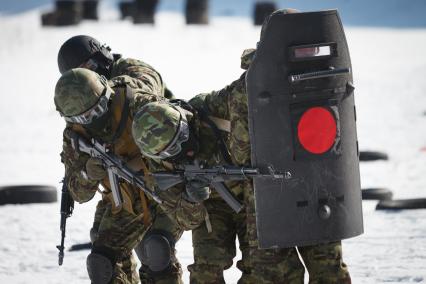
114, 165
67, 207
214, 176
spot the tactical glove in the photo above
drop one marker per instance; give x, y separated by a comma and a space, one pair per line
197, 191
95, 169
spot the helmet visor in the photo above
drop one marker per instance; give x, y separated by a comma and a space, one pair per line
99, 109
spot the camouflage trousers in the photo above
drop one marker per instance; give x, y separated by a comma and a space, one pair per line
214, 252
122, 231
324, 262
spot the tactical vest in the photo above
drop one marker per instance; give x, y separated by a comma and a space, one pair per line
123, 145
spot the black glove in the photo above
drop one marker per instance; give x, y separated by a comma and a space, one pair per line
197, 190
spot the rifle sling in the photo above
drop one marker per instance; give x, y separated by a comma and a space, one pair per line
146, 214
125, 110
221, 144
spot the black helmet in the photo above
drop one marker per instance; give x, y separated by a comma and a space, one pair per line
79, 49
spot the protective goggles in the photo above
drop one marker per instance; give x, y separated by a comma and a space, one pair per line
175, 146
99, 109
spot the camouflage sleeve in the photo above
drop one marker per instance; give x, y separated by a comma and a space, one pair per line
148, 78
215, 103
186, 214
239, 141
81, 189
141, 98
230, 103
141, 94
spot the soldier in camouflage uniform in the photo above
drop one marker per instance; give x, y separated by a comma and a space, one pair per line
87, 52
218, 134
324, 262
95, 107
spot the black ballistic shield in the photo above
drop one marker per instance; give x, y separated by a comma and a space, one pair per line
302, 124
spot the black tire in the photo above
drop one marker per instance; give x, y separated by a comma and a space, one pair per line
376, 194
77, 247
23, 194
365, 156
418, 203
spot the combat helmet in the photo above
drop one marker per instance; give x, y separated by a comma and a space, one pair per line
159, 129
84, 51
82, 95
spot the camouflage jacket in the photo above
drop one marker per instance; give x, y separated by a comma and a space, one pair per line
227, 109
137, 69
83, 189
145, 81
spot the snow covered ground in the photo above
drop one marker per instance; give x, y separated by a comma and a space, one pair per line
389, 71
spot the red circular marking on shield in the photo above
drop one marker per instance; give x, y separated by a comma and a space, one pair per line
317, 130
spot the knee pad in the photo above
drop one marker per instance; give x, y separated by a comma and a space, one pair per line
99, 268
155, 250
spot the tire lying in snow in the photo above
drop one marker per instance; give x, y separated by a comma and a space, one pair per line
376, 194
418, 203
23, 194
365, 156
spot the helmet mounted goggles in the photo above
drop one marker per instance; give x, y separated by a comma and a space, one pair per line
96, 111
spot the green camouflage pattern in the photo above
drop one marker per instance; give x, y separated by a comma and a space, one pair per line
325, 263
77, 91
214, 252
247, 57
154, 126
146, 76
123, 230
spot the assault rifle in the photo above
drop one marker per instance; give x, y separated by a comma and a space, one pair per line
114, 165
67, 207
214, 177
